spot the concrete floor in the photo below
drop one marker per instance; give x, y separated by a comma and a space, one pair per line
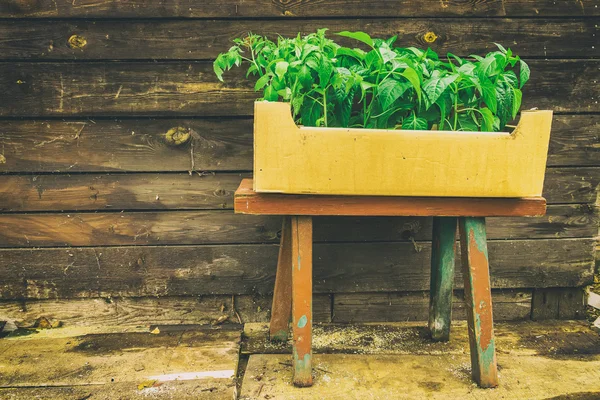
537, 360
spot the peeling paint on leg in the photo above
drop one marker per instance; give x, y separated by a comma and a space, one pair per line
279, 336
302, 322
299, 262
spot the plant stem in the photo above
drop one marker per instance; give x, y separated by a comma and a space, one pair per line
325, 106
455, 105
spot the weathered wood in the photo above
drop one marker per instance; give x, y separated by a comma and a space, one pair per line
281, 310
102, 229
225, 144
558, 303
206, 389
203, 227
443, 250
436, 377
127, 145
545, 338
478, 299
302, 293
257, 9
509, 305
160, 39
247, 201
88, 357
574, 140
182, 191
118, 192
191, 88
250, 269
565, 185
145, 311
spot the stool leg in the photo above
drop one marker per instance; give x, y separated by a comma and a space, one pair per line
443, 251
302, 300
478, 298
282, 296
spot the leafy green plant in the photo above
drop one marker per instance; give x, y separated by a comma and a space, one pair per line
384, 86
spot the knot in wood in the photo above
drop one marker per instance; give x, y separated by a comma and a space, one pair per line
77, 42
430, 37
177, 136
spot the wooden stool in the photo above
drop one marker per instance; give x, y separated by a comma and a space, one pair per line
293, 283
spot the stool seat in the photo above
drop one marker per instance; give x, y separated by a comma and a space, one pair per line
247, 201
292, 296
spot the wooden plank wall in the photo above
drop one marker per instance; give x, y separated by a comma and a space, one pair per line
102, 218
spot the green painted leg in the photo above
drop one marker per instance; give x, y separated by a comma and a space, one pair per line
442, 277
478, 298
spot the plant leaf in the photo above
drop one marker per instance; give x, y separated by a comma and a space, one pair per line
516, 103
488, 92
414, 123
270, 94
324, 70
281, 68
305, 76
487, 122
389, 91
360, 36
436, 86
413, 78
523, 74
261, 82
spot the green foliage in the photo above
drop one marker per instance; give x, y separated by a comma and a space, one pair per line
381, 86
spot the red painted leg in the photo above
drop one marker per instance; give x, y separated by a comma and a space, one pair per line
282, 296
478, 298
302, 300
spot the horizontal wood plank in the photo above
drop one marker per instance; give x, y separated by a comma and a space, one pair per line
154, 191
247, 201
218, 145
141, 145
146, 311
290, 9
191, 88
558, 303
250, 269
204, 227
509, 305
136, 191
203, 40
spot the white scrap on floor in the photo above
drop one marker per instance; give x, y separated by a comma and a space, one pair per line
594, 300
186, 376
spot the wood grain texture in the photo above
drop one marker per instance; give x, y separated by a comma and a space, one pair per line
89, 357
522, 338
146, 311
19, 193
152, 191
478, 301
302, 293
190, 88
204, 227
291, 9
281, 309
443, 250
414, 306
247, 201
125, 145
249, 269
219, 144
203, 40
558, 303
